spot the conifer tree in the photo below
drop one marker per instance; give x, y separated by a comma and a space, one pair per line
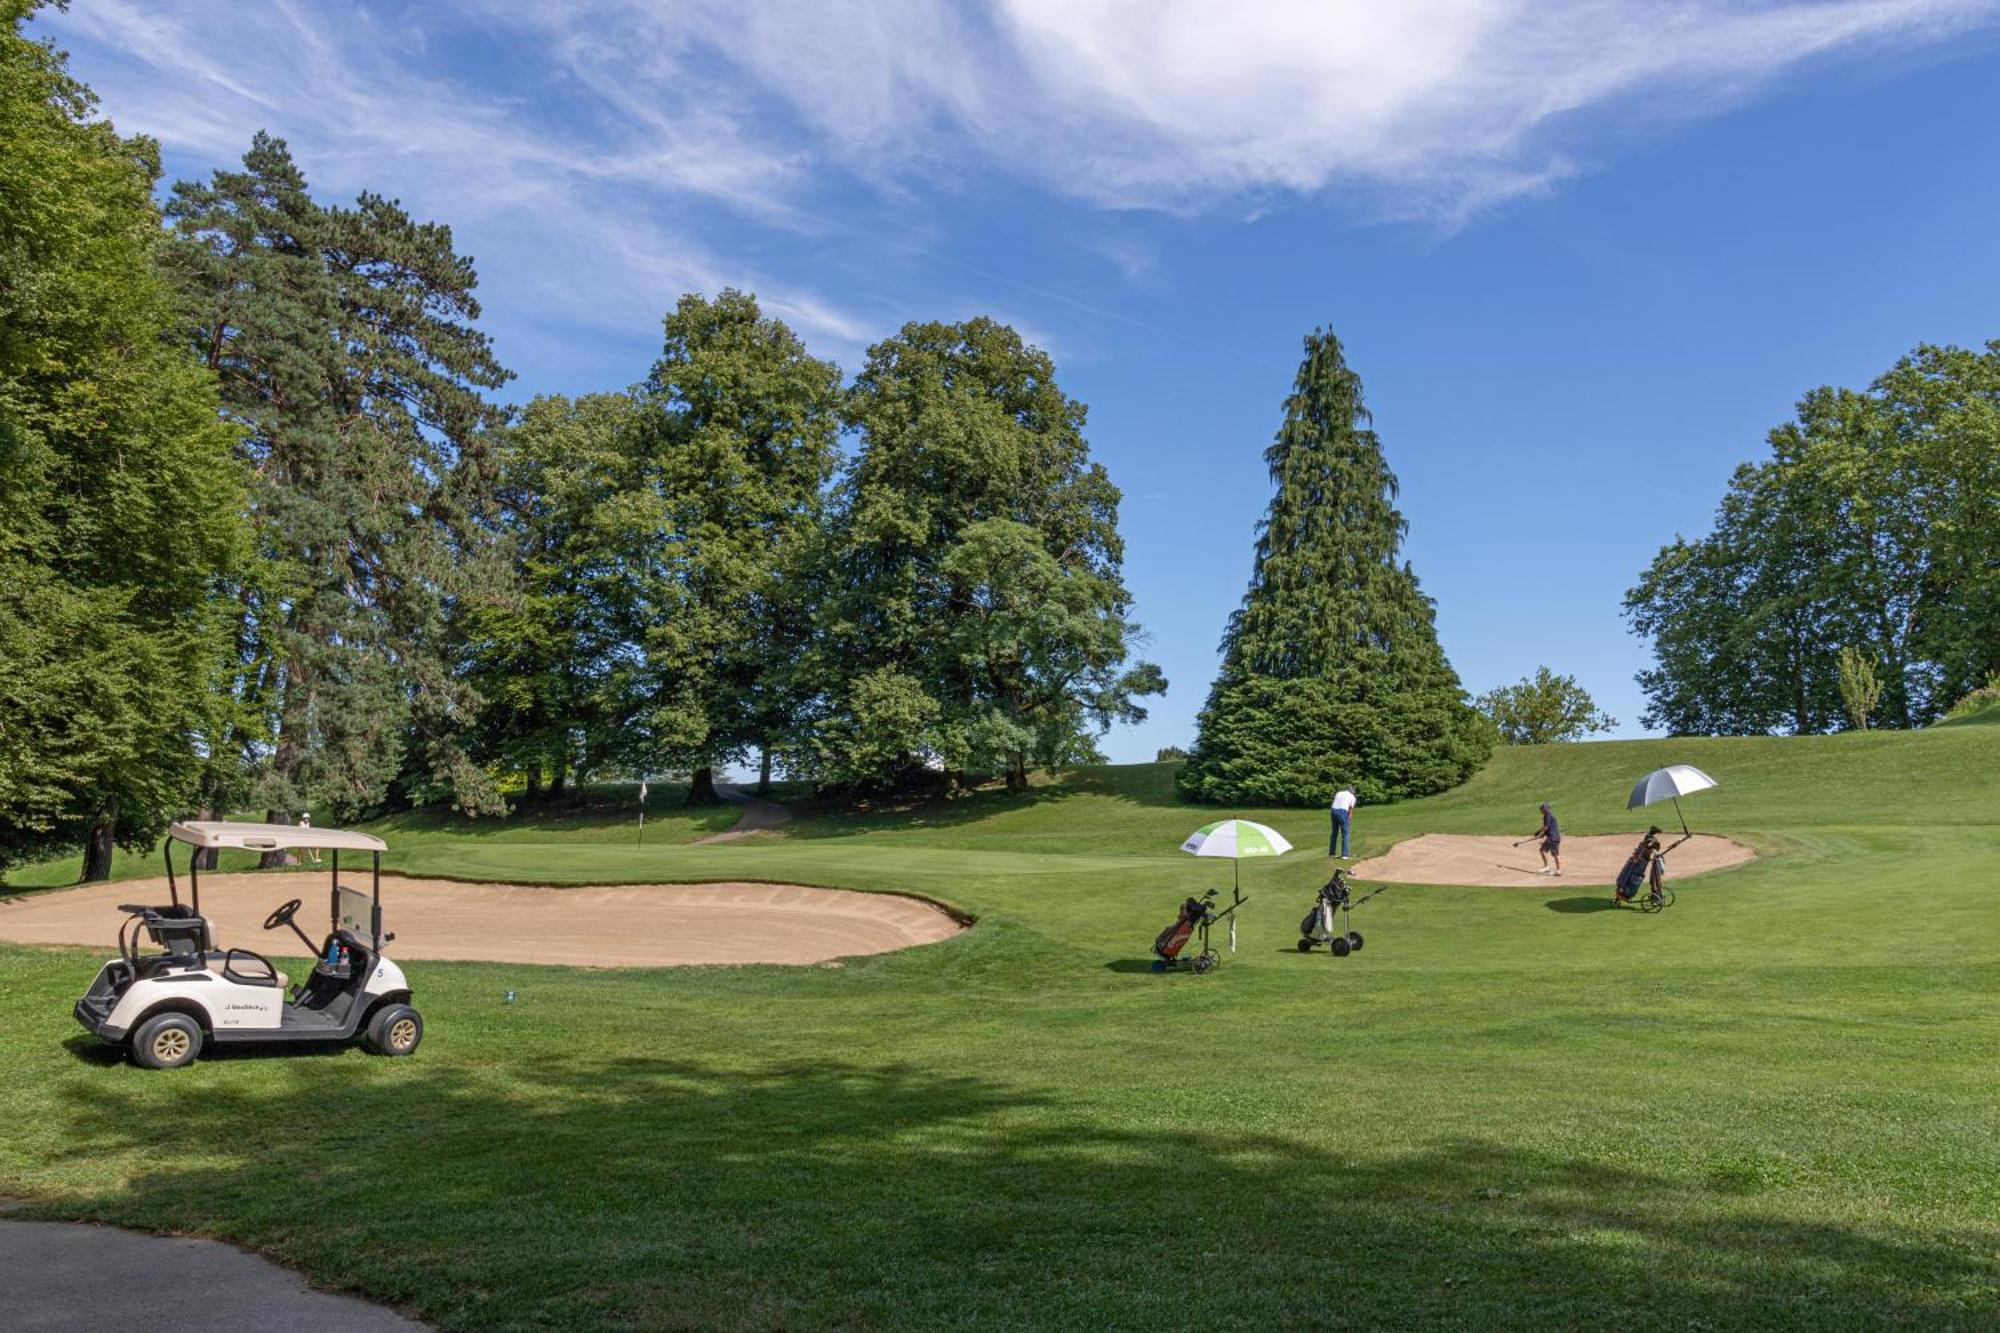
1332, 673
343, 340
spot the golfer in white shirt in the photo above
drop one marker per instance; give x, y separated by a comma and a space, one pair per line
1343, 817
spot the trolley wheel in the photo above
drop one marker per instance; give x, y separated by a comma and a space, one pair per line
1305, 945
1354, 940
1341, 948
1206, 962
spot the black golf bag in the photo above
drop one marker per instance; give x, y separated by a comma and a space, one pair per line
1327, 923
1641, 866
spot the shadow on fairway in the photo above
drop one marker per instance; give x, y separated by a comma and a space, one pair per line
1592, 904
572, 1192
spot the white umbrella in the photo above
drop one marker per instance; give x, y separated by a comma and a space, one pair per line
1236, 838
1670, 783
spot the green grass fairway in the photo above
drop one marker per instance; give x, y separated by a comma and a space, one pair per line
1776, 1105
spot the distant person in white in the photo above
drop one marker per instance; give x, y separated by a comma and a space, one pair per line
306, 822
1343, 817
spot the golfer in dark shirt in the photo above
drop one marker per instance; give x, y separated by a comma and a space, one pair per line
1552, 842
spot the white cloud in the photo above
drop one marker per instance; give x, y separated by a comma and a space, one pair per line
1431, 107
602, 209
606, 155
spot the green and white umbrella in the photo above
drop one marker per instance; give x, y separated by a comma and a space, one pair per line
1235, 839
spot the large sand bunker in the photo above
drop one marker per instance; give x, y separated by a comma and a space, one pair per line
652, 925
1451, 858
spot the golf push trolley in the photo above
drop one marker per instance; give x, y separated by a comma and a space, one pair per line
1318, 927
1197, 916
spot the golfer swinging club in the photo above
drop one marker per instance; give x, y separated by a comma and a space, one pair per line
1343, 818
1551, 835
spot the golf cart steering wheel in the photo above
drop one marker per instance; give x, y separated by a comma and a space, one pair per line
283, 915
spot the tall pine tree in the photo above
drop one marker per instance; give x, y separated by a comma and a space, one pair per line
343, 339
1332, 674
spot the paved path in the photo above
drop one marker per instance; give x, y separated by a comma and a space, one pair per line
758, 813
58, 1277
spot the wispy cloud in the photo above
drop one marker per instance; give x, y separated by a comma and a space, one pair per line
1429, 108
613, 153
600, 206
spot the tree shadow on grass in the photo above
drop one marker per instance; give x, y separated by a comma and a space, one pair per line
654, 1191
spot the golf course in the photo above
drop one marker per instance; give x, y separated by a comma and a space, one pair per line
1770, 1106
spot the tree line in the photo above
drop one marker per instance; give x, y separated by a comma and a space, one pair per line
268, 541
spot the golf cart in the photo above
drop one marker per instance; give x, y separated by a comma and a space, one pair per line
164, 1006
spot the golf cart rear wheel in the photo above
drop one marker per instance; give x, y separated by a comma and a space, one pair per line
1341, 946
1354, 940
166, 1041
395, 1030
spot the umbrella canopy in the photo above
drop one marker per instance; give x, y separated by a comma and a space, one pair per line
1670, 784
1665, 783
1236, 837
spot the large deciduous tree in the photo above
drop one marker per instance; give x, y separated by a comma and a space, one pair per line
737, 439
554, 656
975, 617
119, 501
1871, 528
1332, 673
344, 342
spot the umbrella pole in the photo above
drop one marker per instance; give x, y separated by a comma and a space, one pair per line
1684, 819
1236, 864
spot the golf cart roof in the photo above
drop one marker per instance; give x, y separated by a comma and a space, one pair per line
271, 837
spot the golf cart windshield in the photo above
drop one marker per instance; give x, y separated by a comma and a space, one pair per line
354, 912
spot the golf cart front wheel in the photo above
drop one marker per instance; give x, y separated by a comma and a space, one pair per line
1206, 962
1305, 945
395, 1030
1342, 946
166, 1041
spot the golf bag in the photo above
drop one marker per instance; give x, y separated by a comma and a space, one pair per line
1197, 914
1328, 921
1644, 864
1174, 938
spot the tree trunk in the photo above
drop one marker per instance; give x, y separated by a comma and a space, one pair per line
97, 849
282, 858
764, 772
204, 857
559, 781
701, 788
534, 779
1017, 774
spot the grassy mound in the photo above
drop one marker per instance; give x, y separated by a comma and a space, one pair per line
1771, 1106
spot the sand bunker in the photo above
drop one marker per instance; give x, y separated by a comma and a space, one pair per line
653, 925
1451, 858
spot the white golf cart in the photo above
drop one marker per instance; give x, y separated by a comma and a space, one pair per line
164, 1006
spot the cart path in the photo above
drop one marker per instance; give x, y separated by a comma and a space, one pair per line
62, 1277
758, 814
1451, 858
644, 925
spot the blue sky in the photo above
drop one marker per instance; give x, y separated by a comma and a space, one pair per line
1583, 253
